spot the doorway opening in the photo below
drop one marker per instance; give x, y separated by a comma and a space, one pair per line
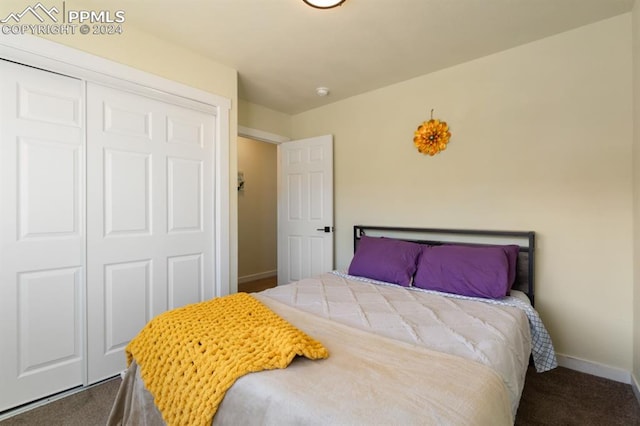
257, 215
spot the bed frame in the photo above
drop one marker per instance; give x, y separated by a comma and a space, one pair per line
525, 275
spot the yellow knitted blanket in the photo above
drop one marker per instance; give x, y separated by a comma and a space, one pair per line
190, 356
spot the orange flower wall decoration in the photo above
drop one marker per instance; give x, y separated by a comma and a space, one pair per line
432, 136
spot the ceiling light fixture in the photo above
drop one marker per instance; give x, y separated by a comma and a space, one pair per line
324, 4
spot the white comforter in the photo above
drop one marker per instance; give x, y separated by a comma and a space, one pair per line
397, 356
494, 335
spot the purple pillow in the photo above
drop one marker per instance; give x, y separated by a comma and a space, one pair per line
385, 259
466, 270
512, 252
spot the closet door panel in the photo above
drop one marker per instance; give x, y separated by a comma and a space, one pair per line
185, 195
150, 197
39, 346
123, 183
186, 280
42, 236
190, 232
48, 202
127, 193
127, 288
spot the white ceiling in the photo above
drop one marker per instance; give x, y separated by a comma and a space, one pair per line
284, 49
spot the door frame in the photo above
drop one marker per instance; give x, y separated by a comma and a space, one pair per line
260, 135
48, 55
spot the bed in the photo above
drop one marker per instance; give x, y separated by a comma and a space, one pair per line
403, 350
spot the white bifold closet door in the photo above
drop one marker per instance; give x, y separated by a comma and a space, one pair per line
150, 217
42, 234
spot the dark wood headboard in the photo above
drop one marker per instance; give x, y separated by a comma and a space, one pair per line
525, 275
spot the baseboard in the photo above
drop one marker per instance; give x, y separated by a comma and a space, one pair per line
258, 276
636, 387
594, 368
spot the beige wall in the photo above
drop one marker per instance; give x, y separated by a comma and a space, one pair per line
261, 118
257, 210
636, 187
542, 141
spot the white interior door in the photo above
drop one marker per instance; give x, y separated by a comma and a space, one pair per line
305, 208
41, 234
150, 200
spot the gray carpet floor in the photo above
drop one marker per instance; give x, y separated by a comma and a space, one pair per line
558, 397
87, 408
567, 397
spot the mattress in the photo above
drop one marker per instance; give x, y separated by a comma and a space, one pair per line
397, 355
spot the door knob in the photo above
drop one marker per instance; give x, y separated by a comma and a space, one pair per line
325, 229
